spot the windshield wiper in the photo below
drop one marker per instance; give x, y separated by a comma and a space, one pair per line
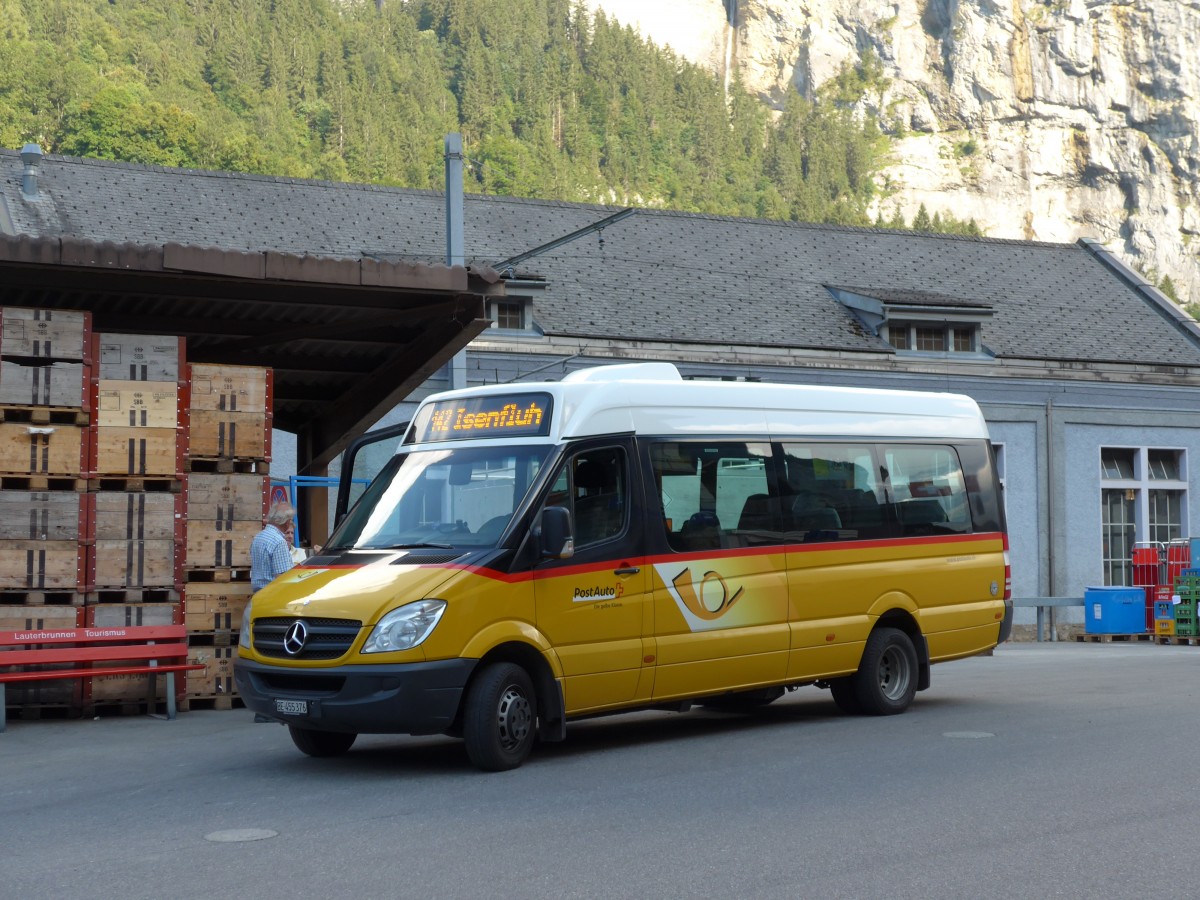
415, 546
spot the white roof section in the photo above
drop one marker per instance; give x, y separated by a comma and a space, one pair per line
653, 399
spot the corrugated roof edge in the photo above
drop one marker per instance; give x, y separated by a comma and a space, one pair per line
1159, 301
171, 256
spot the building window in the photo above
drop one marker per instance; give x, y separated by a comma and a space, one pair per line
931, 339
1163, 523
1117, 530
927, 337
509, 314
1143, 499
1163, 465
1116, 464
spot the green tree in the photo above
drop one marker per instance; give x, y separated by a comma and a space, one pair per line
552, 102
922, 221
125, 123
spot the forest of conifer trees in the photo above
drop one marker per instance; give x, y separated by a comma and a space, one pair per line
551, 102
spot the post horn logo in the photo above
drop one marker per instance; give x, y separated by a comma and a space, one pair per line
694, 597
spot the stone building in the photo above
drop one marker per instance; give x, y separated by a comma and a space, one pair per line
1088, 376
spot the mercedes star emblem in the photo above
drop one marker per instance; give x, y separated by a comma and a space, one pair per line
295, 638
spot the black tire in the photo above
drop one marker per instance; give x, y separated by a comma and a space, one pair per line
321, 743
845, 695
886, 680
500, 717
743, 701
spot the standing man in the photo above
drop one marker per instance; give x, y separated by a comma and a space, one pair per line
271, 551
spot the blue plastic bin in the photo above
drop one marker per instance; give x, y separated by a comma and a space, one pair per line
1114, 610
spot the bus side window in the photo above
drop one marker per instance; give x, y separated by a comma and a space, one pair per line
928, 489
716, 495
834, 495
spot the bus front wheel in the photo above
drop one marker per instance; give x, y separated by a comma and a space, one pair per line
500, 717
886, 680
321, 743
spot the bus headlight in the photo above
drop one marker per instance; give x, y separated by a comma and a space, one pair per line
404, 628
244, 634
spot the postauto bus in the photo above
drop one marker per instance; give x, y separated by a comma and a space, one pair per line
623, 539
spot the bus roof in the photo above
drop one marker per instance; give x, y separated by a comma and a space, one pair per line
652, 399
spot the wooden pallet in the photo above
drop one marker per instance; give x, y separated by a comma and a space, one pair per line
1177, 640
45, 415
217, 575
20, 596
32, 712
135, 483
133, 595
26, 482
223, 466
222, 701
1115, 638
222, 638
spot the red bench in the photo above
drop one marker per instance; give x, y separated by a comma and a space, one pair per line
148, 649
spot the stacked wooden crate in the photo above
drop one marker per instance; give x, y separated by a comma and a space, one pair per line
226, 501
139, 446
131, 486
44, 526
44, 410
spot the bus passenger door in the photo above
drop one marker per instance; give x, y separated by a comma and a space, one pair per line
591, 606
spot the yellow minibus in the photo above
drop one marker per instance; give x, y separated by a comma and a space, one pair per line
626, 539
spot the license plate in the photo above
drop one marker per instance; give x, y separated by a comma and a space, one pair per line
292, 707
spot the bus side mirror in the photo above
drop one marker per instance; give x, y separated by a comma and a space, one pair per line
555, 540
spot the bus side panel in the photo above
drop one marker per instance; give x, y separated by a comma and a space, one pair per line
960, 596
593, 618
831, 588
720, 623
947, 584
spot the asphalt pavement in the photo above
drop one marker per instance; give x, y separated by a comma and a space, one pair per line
1045, 770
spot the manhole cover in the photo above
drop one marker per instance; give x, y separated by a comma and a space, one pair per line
235, 835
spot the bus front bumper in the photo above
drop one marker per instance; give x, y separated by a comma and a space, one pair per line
415, 698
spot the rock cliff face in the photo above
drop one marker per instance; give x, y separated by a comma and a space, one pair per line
1042, 120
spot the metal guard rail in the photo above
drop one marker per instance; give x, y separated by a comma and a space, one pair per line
1042, 604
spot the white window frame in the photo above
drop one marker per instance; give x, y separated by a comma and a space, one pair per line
495, 307
1139, 487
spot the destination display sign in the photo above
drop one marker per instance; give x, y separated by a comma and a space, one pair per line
497, 415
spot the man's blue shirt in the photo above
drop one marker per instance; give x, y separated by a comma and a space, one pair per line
269, 556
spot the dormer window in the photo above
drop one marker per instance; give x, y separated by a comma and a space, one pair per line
513, 313
508, 314
919, 322
926, 338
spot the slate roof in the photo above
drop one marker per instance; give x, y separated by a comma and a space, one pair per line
657, 276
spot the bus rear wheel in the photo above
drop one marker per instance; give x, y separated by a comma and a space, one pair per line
886, 680
500, 718
321, 743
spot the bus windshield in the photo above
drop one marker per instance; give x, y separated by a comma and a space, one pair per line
459, 498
